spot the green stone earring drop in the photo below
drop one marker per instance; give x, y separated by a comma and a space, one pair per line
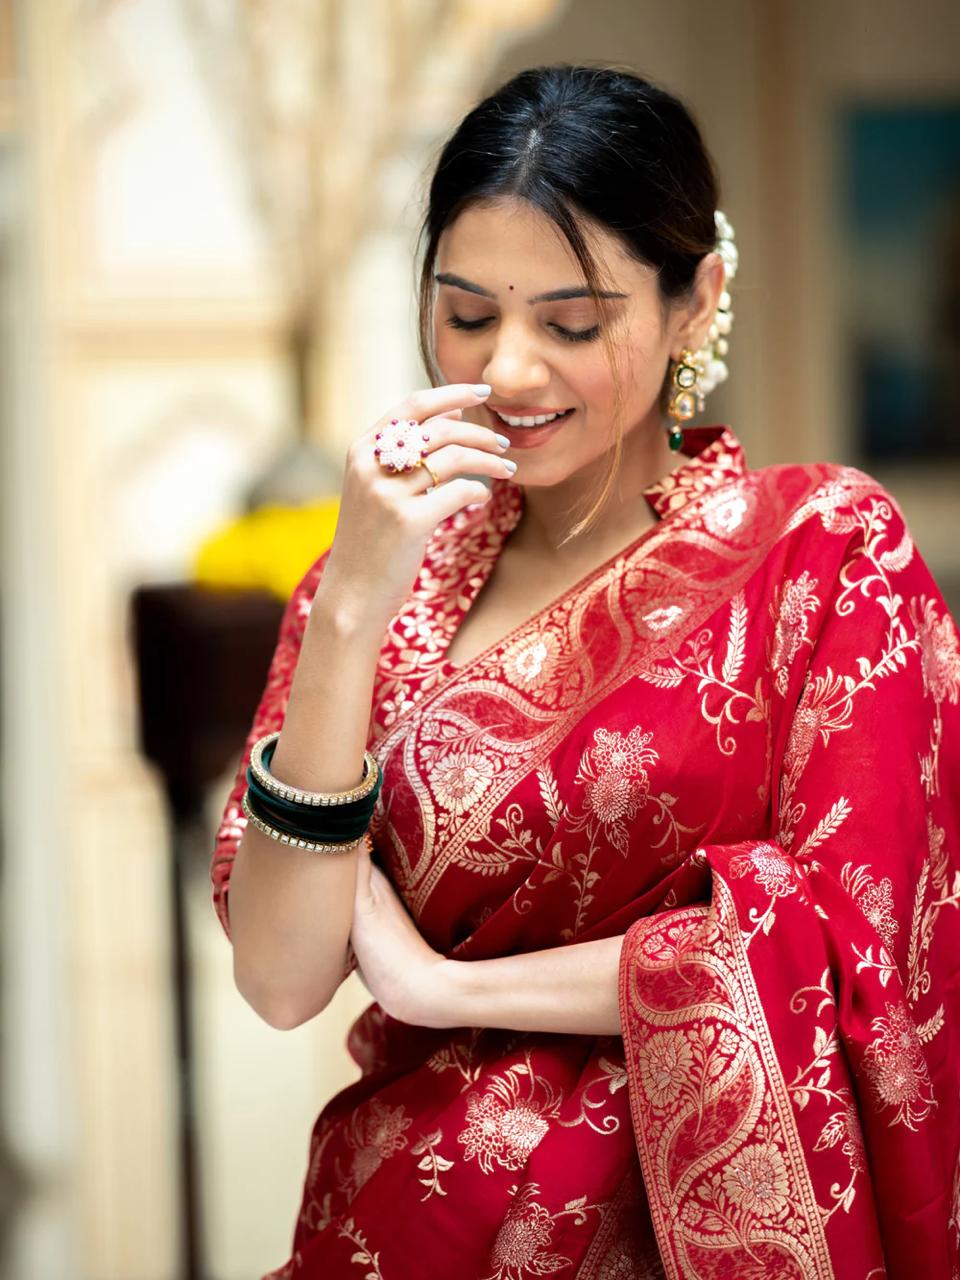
684, 401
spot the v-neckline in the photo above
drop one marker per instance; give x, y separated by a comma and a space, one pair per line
712, 455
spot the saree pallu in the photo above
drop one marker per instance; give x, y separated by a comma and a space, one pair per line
736, 743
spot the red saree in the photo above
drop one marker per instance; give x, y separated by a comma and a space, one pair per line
736, 743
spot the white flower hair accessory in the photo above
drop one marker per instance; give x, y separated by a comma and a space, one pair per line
694, 374
709, 360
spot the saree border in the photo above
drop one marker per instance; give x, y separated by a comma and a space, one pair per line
709, 938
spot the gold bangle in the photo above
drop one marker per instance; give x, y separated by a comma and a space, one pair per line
315, 846
371, 772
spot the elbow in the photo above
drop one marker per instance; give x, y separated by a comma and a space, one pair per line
281, 1010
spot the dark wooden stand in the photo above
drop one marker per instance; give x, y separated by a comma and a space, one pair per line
202, 658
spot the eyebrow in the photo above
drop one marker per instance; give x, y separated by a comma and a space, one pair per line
553, 295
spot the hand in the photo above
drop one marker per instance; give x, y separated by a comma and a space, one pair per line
387, 518
410, 980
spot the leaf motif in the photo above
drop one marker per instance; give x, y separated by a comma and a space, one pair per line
736, 645
550, 794
927, 1030
663, 677
826, 827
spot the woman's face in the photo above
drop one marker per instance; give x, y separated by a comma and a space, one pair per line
542, 354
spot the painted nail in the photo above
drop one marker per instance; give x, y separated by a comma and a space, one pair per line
502, 441
509, 462
482, 388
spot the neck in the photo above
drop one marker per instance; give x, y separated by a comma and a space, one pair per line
625, 514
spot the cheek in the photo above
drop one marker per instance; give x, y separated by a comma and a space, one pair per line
453, 354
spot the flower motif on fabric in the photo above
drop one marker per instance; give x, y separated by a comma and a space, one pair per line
521, 1247
876, 903
506, 1123
663, 618
724, 512
373, 1134
665, 1065
789, 610
459, 779
756, 1179
530, 662
615, 773
896, 1068
774, 870
939, 650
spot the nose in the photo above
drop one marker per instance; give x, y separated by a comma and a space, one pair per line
515, 366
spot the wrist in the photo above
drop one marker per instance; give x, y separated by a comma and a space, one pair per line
343, 616
444, 1001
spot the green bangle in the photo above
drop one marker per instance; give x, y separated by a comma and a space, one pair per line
340, 846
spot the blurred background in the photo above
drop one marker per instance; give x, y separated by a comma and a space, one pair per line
207, 211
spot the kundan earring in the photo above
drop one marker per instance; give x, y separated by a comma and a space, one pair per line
686, 398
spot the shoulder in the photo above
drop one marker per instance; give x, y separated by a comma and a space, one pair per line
829, 500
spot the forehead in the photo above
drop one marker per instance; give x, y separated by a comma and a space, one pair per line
513, 236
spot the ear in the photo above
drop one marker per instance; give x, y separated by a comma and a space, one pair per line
696, 318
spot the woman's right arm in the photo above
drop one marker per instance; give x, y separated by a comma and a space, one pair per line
290, 909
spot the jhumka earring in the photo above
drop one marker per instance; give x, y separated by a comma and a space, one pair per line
686, 399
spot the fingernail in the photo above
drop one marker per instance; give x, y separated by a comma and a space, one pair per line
482, 388
509, 462
502, 441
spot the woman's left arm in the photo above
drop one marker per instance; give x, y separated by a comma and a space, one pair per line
571, 989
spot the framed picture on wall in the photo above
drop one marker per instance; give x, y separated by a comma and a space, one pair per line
900, 227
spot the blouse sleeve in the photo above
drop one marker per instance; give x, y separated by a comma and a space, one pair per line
792, 1045
267, 719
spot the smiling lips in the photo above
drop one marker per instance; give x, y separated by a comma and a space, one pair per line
528, 416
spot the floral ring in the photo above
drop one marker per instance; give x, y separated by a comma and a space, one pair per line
399, 446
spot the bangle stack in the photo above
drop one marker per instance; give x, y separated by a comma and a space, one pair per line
321, 821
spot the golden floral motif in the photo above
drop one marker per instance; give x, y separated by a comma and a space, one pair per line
615, 773
459, 779
896, 1067
724, 512
374, 1134
774, 871
789, 609
504, 1126
664, 1066
939, 650
532, 660
521, 1247
757, 1180
876, 903
663, 618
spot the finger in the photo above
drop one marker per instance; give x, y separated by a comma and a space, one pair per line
453, 461
439, 417
426, 403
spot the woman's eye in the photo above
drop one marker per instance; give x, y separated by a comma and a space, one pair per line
568, 335
458, 322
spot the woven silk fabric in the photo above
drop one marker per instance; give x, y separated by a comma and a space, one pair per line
736, 743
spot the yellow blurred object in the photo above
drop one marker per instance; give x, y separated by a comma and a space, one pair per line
272, 547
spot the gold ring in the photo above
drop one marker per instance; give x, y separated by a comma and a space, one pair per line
423, 463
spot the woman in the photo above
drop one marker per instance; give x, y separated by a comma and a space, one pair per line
659, 899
